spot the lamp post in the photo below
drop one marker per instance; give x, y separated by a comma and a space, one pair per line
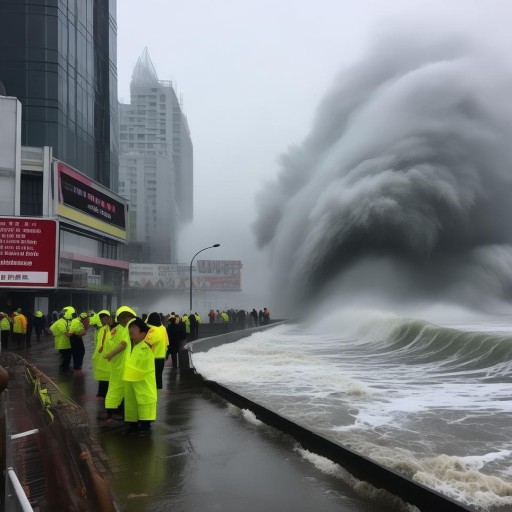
192, 261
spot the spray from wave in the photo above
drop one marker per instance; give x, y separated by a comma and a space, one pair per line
404, 185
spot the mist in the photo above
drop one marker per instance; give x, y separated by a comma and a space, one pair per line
402, 189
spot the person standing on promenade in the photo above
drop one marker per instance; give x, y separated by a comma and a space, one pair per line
156, 339
5, 327
39, 325
117, 355
78, 329
19, 328
100, 366
192, 320
198, 323
176, 333
254, 316
186, 322
95, 322
139, 381
60, 331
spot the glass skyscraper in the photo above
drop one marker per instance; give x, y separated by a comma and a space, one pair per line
58, 57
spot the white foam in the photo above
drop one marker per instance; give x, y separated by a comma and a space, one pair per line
360, 388
327, 466
449, 476
250, 417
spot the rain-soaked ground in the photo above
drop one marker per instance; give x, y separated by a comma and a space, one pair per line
203, 455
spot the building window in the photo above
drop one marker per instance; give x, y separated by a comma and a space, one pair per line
31, 194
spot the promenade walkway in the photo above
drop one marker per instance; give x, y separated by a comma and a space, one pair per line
204, 454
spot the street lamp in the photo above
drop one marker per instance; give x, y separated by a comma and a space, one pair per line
192, 261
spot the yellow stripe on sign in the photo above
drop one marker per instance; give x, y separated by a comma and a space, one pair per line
87, 220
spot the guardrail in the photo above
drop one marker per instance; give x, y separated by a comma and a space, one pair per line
57, 465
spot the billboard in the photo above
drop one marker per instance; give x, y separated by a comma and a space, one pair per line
86, 202
28, 252
208, 275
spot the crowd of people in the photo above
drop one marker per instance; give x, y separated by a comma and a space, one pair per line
128, 358
129, 352
240, 317
18, 327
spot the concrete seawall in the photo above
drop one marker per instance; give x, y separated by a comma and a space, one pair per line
358, 465
207, 343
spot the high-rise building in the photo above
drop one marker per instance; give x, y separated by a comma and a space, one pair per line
156, 165
58, 57
61, 224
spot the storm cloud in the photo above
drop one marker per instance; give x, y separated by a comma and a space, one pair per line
407, 169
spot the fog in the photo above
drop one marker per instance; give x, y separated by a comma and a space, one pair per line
332, 158
402, 189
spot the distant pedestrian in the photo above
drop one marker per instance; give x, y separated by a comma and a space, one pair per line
19, 328
39, 325
193, 326
176, 333
78, 329
186, 322
100, 366
260, 317
5, 327
241, 319
266, 316
60, 331
198, 323
157, 340
211, 316
254, 317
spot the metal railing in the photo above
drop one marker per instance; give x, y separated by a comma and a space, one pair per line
21, 497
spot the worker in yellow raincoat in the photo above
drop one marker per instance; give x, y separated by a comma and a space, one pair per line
157, 339
117, 356
140, 382
100, 365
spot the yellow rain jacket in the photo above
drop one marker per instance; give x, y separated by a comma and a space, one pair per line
156, 340
5, 325
101, 367
115, 392
59, 329
19, 324
140, 384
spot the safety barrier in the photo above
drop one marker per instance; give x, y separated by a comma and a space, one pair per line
56, 465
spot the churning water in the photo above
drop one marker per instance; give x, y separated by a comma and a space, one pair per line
430, 400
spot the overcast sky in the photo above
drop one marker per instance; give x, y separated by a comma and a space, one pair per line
251, 74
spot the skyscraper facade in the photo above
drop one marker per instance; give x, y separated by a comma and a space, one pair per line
156, 165
59, 166
58, 57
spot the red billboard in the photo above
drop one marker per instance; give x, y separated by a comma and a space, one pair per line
28, 252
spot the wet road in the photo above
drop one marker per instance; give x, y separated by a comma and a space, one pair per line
204, 454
